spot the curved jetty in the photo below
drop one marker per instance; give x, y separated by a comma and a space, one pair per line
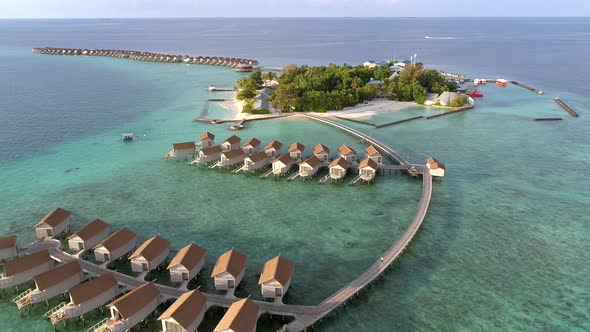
150, 56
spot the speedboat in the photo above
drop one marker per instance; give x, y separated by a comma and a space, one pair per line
501, 82
476, 94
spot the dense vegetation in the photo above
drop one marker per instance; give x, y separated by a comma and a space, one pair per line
334, 87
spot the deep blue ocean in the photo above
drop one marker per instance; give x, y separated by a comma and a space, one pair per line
504, 246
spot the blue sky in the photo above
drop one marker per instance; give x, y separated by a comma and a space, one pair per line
288, 8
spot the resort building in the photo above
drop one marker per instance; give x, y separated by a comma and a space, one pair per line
25, 268
229, 270
374, 154
255, 161
54, 223
296, 151
232, 143
244, 67
115, 246
150, 254
207, 140
273, 149
185, 314
231, 157
436, 168
209, 154
276, 277
52, 283
282, 164
241, 316
338, 169
187, 263
347, 153
251, 146
8, 247
89, 236
133, 307
309, 167
368, 169
322, 152
183, 150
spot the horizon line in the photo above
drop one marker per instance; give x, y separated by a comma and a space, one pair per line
270, 17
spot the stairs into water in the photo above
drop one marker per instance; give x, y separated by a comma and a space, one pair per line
324, 179
293, 177
214, 165
269, 172
23, 299
355, 180
98, 326
238, 170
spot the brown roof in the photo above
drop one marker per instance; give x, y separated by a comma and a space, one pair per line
7, 242
88, 290
118, 239
258, 156
368, 163
53, 277
189, 257
345, 150
92, 229
206, 135
186, 309
372, 151
435, 164
151, 248
279, 269
183, 146
233, 262
25, 263
211, 150
233, 153
54, 217
233, 140
285, 159
320, 148
340, 162
296, 146
240, 317
132, 302
312, 161
274, 144
254, 142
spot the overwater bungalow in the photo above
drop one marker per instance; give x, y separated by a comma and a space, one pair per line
252, 145
53, 223
436, 167
282, 165
187, 263
231, 157
244, 67
232, 143
8, 247
150, 254
25, 268
206, 140
209, 154
133, 307
51, 283
296, 151
182, 150
374, 154
89, 236
276, 277
273, 149
347, 153
115, 246
309, 167
338, 168
322, 152
229, 270
185, 314
255, 161
242, 316
86, 297
368, 169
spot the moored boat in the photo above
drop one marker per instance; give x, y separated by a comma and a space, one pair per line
501, 82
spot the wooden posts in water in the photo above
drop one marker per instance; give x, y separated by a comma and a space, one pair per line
547, 119
566, 107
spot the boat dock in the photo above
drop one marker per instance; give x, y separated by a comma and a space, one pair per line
566, 107
537, 91
458, 110
398, 122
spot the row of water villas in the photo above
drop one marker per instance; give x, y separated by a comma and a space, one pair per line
238, 63
87, 293
252, 156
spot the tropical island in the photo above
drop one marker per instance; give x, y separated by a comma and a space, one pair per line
334, 87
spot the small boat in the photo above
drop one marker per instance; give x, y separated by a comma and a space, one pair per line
479, 81
501, 82
476, 94
212, 88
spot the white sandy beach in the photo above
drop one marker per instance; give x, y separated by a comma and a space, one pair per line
235, 107
373, 108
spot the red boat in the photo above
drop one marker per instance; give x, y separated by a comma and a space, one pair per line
476, 94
